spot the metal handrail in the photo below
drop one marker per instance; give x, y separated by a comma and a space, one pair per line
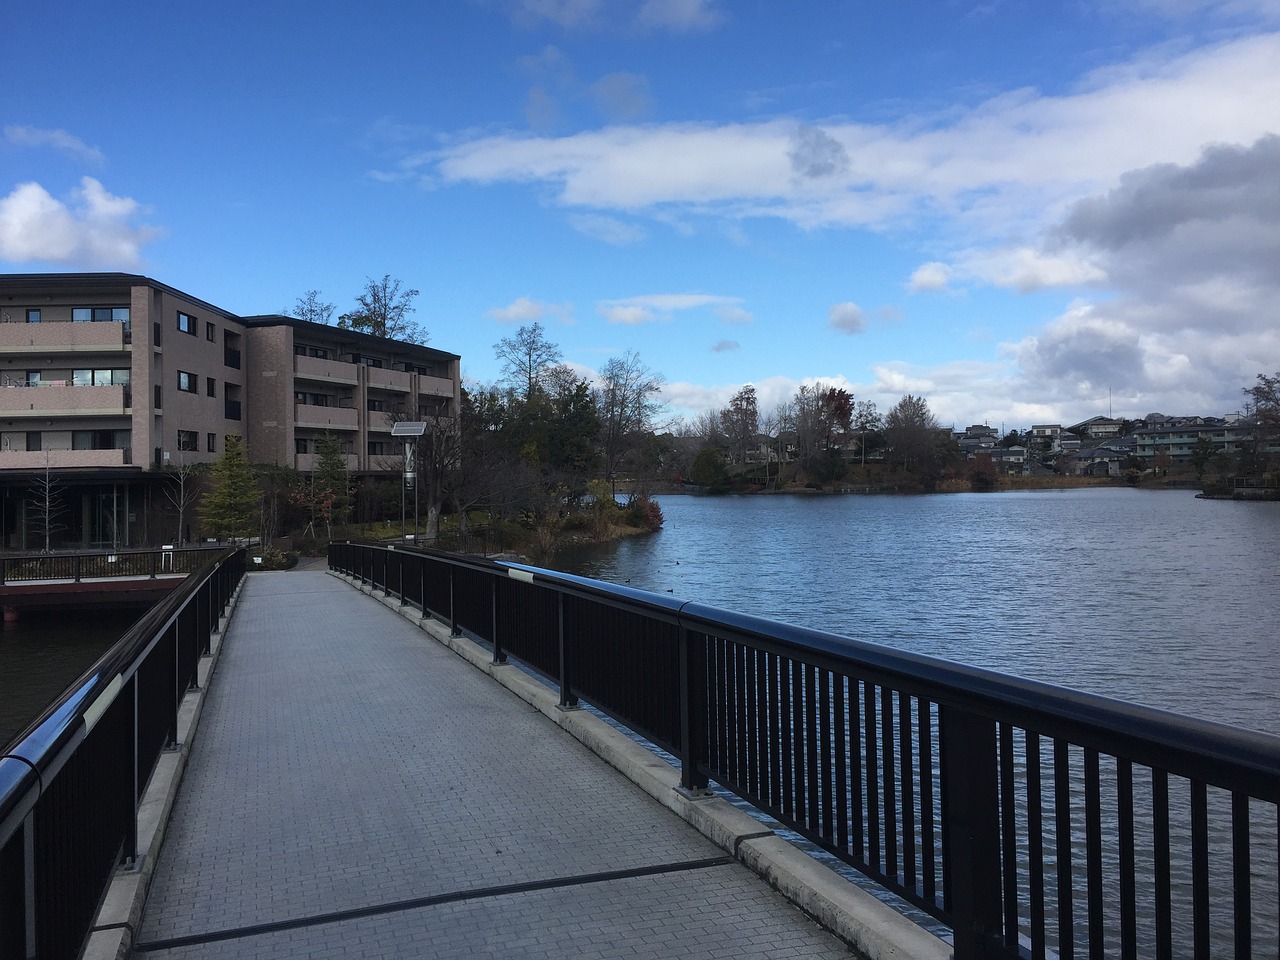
81, 767
924, 774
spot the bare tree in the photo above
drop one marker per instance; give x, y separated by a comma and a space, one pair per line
311, 308
866, 419
181, 491
527, 359
626, 402
47, 503
383, 309
910, 430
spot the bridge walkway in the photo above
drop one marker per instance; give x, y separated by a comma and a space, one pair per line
355, 789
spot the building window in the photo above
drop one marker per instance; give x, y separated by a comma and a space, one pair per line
211, 386
33, 316
187, 381
186, 323
301, 445
320, 353
159, 399
33, 441
211, 442
100, 314
188, 441
376, 406
378, 448
211, 333
100, 439
33, 378
118, 377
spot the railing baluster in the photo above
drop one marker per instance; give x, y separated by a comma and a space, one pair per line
907, 776
1035, 845
1008, 836
1200, 869
840, 707
1062, 813
928, 854
873, 776
1242, 894
1160, 856
890, 792
1128, 901
1093, 852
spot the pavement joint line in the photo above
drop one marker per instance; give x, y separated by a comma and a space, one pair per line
416, 903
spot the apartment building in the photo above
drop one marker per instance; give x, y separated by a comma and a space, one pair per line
108, 380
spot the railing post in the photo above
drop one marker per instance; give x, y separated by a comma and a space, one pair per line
971, 821
568, 699
453, 605
693, 715
77, 567
498, 655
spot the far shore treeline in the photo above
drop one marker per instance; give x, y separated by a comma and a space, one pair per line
540, 456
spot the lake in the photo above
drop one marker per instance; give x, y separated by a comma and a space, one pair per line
1151, 596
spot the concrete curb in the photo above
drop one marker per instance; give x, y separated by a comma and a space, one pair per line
873, 929
115, 927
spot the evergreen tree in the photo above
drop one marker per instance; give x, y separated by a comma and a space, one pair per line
230, 509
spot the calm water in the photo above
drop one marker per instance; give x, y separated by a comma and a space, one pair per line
44, 652
1155, 597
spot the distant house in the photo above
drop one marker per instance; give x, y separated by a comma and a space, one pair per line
1009, 460
1097, 428
1046, 436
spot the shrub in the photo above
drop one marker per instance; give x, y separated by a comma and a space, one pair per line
643, 512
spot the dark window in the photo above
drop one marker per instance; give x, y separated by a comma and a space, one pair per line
231, 409
159, 400
378, 448
301, 446
100, 439
299, 350
100, 314
211, 333
376, 406
187, 382
188, 440
33, 440
320, 353
211, 442
186, 323
211, 386
33, 316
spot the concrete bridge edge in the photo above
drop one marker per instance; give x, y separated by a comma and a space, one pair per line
873, 929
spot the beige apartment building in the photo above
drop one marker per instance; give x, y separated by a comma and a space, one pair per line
110, 381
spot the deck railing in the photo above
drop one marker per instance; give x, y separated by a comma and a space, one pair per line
70, 785
102, 564
1030, 819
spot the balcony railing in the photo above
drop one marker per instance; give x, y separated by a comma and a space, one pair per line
1027, 818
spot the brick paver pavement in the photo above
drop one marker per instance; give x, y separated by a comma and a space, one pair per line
357, 790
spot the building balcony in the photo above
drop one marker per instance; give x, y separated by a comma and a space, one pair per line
56, 338
436, 386
52, 399
55, 459
325, 371
309, 461
325, 418
384, 379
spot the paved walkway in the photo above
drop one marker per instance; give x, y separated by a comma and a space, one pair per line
357, 790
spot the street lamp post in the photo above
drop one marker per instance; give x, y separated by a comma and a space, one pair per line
410, 430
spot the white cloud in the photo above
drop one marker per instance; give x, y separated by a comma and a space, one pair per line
725, 346
525, 310
627, 314
92, 228
1026, 269
680, 16
731, 313
847, 317
930, 276
622, 97
610, 230
73, 146
1006, 166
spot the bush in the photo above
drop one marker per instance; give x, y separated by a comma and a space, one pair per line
274, 559
643, 512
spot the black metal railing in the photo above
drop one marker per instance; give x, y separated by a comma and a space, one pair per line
77, 567
70, 784
1031, 819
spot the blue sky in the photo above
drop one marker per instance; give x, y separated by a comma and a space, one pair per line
1023, 211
